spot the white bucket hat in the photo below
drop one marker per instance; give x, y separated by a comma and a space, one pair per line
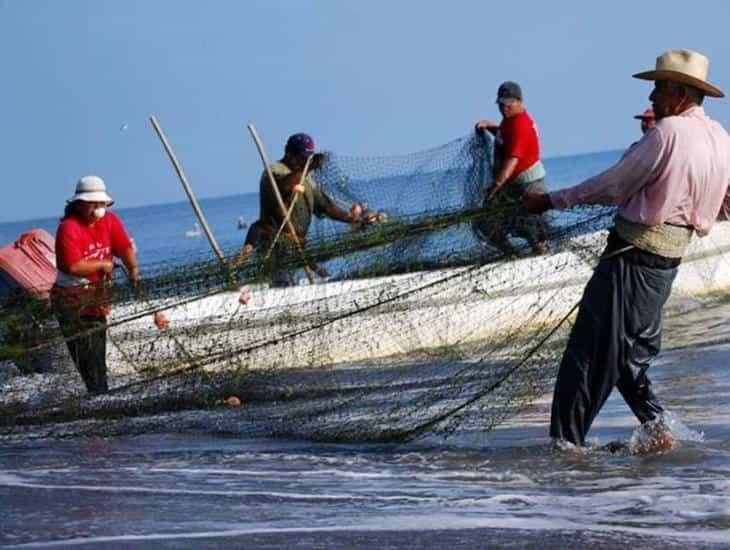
685, 67
91, 189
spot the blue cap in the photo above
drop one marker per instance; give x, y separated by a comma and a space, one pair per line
301, 145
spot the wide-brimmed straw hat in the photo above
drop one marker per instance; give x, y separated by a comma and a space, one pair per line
684, 67
91, 189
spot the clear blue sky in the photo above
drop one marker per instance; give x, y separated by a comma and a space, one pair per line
365, 78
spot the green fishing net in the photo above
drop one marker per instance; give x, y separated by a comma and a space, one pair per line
436, 318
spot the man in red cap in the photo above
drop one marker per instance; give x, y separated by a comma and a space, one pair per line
647, 119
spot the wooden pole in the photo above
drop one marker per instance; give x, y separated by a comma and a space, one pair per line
279, 200
189, 192
289, 212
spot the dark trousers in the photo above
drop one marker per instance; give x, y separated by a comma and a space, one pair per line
616, 335
282, 261
86, 341
282, 258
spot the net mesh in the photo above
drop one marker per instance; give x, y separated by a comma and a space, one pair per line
437, 318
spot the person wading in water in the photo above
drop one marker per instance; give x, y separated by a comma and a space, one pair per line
672, 184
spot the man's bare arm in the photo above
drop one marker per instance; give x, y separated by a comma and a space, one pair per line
488, 125
503, 177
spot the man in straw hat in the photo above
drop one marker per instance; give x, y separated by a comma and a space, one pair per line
648, 120
672, 184
86, 240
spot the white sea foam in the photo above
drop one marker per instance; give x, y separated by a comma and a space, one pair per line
15, 481
401, 523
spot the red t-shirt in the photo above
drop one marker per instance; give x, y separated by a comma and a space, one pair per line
517, 137
77, 241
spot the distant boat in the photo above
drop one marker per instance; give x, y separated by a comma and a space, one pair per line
194, 232
242, 224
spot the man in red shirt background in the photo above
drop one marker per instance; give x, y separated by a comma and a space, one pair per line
518, 169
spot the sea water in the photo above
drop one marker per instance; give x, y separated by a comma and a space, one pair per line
194, 480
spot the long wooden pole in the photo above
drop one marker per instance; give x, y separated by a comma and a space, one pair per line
189, 192
289, 212
279, 200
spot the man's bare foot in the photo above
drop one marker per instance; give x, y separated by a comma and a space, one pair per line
661, 441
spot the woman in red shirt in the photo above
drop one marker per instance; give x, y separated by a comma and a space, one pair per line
86, 240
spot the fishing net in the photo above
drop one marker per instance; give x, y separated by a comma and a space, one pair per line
437, 318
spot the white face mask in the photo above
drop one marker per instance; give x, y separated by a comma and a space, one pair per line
99, 212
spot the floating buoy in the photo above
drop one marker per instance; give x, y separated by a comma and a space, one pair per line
244, 296
233, 401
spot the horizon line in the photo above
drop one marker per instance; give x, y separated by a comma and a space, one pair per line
215, 197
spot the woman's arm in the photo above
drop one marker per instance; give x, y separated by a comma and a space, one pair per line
82, 268
129, 259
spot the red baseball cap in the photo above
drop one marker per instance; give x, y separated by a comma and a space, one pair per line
300, 145
648, 114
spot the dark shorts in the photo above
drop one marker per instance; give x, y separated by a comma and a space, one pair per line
280, 265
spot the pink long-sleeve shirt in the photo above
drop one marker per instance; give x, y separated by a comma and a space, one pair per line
678, 173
